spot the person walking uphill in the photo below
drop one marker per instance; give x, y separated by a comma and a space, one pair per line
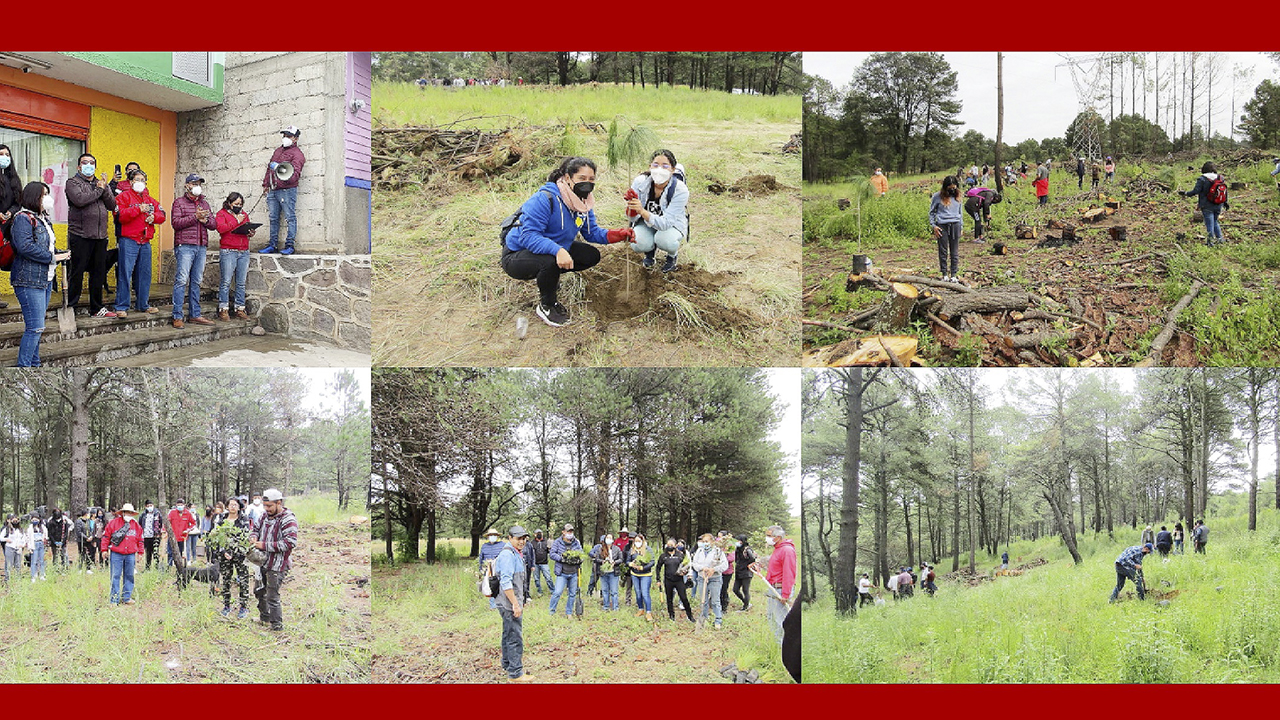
192, 219
139, 213
35, 261
656, 205
1210, 192
282, 195
947, 224
1200, 536
123, 538
566, 569
277, 534
511, 571
781, 576
91, 203
538, 242
1129, 565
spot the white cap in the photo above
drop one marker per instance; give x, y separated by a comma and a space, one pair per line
273, 495
291, 130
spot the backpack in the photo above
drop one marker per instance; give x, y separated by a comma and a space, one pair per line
491, 585
670, 192
512, 221
7, 250
1217, 192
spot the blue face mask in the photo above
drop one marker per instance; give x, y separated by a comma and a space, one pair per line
4, 162
88, 170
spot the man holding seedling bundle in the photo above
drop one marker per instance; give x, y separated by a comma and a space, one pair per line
1129, 565
277, 534
488, 553
566, 569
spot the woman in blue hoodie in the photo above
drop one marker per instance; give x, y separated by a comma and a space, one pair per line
542, 244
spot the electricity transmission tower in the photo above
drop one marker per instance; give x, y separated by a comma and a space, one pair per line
1087, 76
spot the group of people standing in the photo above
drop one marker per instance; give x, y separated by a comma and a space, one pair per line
117, 538
1165, 542
628, 560
26, 220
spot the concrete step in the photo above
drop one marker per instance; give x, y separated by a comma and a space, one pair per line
86, 326
161, 298
103, 348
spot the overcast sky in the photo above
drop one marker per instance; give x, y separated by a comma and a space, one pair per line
1039, 97
319, 399
784, 385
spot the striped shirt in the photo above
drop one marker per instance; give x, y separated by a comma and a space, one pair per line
279, 535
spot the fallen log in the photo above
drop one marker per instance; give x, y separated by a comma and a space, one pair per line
856, 281
1170, 326
917, 280
1035, 340
898, 305
1024, 232
988, 300
943, 324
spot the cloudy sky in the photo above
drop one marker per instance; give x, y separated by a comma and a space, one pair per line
319, 399
1033, 81
784, 384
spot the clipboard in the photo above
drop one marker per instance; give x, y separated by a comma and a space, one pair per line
245, 228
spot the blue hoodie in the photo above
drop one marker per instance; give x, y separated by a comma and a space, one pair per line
545, 232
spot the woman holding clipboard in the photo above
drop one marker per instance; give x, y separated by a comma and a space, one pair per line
235, 230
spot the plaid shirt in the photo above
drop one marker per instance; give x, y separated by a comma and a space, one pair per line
279, 534
1131, 557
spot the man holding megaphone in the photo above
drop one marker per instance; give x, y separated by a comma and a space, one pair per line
281, 187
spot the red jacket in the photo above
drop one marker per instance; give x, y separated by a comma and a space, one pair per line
132, 544
181, 522
227, 239
291, 155
782, 567
133, 221
1042, 187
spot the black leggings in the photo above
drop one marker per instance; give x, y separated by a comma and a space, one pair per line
676, 586
527, 265
742, 589
724, 591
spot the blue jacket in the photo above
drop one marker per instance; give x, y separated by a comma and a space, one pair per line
511, 572
489, 551
31, 258
672, 212
1131, 557
940, 214
1201, 193
558, 548
547, 225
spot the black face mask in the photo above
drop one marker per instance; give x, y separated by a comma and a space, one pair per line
583, 189
236, 209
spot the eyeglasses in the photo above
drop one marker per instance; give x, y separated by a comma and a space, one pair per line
655, 166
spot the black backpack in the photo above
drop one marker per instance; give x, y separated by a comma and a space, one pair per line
512, 221
494, 579
670, 192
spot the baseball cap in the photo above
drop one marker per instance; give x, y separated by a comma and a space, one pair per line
273, 495
517, 531
291, 130
194, 177
567, 526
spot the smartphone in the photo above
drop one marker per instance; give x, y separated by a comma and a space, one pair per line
117, 170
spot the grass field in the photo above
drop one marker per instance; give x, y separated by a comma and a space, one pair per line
435, 627
64, 630
444, 300
1209, 618
1232, 322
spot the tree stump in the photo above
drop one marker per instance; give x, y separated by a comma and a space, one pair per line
1118, 233
1024, 232
898, 305
1112, 204
1197, 216
1069, 233
997, 249
1055, 224
1093, 214
843, 203
1239, 186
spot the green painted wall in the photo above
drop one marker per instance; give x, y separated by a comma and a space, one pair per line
156, 67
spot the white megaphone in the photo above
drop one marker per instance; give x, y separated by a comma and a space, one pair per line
284, 171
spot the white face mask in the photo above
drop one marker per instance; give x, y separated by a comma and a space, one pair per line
139, 186
770, 540
568, 536
659, 175
285, 142
196, 190
150, 508
258, 502
4, 162
47, 203
493, 538
178, 508
88, 170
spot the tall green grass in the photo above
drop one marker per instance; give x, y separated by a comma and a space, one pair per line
405, 103
1053, 624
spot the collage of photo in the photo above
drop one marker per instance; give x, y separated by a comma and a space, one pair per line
406, 368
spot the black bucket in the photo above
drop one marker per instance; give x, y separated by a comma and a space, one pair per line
860, 264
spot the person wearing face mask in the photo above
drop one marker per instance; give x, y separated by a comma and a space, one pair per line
37, 541
673, 568
641, 561
566, 569
14, 540
91, 202
139, 214
83, 532
60, 526
540, 567
181, 521
708, 562
233, 258
35, 261
256, 511
606, 558
746, 557
282, 195
10, 195
656, 205
488, 552
623, 543
781, 576
541, 245
192, 219
730, 547
119, 184
152, 532
947, 223
123, 548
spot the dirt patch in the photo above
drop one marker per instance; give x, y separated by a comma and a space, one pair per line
621, 289
750, 185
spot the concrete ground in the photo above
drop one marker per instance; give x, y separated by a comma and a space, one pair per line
250, 351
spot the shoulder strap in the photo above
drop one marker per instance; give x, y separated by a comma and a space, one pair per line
551, 201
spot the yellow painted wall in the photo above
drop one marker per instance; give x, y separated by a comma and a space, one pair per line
117, 138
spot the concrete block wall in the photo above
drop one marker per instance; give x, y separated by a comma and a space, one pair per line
231, 144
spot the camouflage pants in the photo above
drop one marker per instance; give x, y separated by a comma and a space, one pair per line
227, 568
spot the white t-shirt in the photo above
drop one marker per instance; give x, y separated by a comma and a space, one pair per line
864, 586
893, 583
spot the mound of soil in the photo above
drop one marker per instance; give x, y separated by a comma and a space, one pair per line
621, 289
755, 185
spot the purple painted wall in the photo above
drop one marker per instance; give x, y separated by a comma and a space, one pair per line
359, 126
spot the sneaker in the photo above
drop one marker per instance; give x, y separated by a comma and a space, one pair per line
226, 611
129, 601
122, 315
648, 259
718, 625
201, 321
151, 310
288, 250
277, 627
89, 571
223, 315
241, 314
670, 264
104, 313
556, 315
177, 322
244, 613
523, 678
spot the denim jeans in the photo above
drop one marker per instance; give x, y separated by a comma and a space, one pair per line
134, 263
233, 263
37, 560
563, 581
512, 643
776, 611
647, 239
712, 599
35, 303
1123, 572
190, 553
1211, 226
60, 554
122, 570
609, 591
283, 201
642, 584
186, 279
538, 573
